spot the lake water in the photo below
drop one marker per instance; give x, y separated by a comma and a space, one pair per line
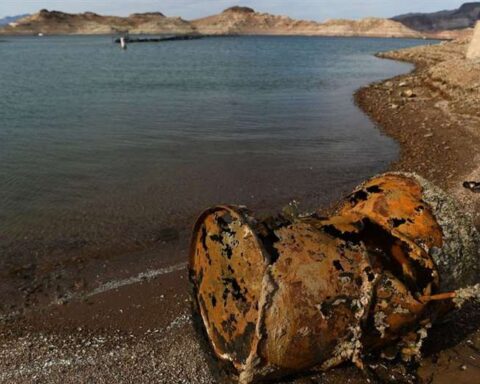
103, 148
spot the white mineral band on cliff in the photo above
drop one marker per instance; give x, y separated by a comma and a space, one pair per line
473, 52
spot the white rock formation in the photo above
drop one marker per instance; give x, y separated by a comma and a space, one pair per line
473, 52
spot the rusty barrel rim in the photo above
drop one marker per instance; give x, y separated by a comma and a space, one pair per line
232, 330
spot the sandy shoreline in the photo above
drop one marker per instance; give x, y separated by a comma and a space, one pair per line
138, 327
438, 126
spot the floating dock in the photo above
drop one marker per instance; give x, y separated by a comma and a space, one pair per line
161, 39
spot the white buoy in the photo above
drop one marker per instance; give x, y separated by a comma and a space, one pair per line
123, 43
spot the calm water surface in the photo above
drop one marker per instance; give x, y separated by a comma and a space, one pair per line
100, 146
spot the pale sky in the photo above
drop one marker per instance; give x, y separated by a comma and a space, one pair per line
189, 9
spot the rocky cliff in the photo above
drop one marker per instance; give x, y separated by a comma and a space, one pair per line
54, 22
233, 21
463, 17
245, 21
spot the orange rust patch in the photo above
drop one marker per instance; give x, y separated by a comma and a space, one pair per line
227, 268
394, 202
319, 280
394, 311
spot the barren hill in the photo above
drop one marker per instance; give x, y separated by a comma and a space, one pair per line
54, 22
245, 21
232, 21
11, 19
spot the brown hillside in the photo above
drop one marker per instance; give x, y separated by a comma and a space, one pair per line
232, 21
245, 21
54, 22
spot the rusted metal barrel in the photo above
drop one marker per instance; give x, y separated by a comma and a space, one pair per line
438, 235
282, 295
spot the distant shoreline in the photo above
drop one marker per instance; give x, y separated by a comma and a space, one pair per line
232, 21
113, 35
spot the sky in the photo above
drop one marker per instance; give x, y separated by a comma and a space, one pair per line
189, 9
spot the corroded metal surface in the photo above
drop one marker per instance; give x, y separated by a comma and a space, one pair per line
320, 282
393, 203
227, 265
395, 309
290, 293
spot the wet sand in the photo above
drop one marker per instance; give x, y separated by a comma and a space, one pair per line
128, 319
